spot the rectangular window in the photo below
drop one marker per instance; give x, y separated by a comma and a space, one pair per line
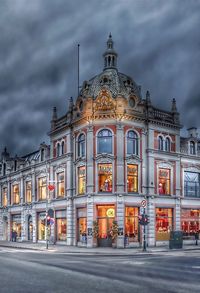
42, 188
15, 194
164, 223
105, 177
5, 197
28, 191
131, 224
61, 225
164, 181
190, 222
81, 180
191, 184
82, 225
60, 184
132, 178
41, 226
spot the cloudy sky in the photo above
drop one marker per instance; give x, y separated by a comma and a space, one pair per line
158, 43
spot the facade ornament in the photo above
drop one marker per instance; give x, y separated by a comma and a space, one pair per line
104, 102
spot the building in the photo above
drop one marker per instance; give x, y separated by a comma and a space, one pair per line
110, 151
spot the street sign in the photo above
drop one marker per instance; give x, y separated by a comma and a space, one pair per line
143, 203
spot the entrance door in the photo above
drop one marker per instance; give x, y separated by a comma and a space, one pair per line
105, 239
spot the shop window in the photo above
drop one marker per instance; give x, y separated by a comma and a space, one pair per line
42, 188
81, 145
60, 184
131, 224
82, 225
15, 194
190, 222
41, 226
192, 148
132, 143
61, 225
191, 184
167, 144
164, 181
28, 191
81, 180
5, 197
132, 178
104, 141
160, 143
105, 177
164, 224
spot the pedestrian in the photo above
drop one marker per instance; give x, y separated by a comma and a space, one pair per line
196, 237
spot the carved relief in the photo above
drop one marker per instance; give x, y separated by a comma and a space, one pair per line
104, 102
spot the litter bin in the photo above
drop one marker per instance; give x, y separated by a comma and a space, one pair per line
176, 239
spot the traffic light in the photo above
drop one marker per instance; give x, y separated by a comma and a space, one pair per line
143, 219
48, 220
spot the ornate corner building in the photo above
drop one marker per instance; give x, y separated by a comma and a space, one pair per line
111, 150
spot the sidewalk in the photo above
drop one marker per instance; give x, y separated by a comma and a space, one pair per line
99, 250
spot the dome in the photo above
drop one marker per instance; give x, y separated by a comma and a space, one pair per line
111, 79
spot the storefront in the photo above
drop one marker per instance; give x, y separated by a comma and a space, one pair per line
132, 231
82, 225
190, 222
41, 226
164, 223
16, 227
105, 218
61, 225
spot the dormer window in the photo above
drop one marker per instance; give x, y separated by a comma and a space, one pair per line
192, 148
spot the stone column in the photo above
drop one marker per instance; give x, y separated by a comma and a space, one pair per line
151, 226
33, 186
69, 165
91, 242
120, 158
23, 225
120, 221
177, 216
70, 230
21, 189
35, 220
178, 179
9, 194
9, 226
90, 154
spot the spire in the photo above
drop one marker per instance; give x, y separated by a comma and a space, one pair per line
174, 109
110, 56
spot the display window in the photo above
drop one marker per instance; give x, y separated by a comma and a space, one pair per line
164, 223
132, 178
61, 225
28, 191
190, 222
164, 181
16, 227
42, 188
131, 224
15, 194
81, 180
60, 184
105, 216
41, 226
82, 225
5, 197
105, 177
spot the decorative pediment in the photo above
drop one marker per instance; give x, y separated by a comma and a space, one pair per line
104, 102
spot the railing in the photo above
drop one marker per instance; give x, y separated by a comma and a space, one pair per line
161, 115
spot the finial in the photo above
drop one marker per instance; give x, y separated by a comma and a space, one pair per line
174, 108
54, 114
110, 36
110, 56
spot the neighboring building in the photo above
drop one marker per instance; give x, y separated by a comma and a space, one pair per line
111, 150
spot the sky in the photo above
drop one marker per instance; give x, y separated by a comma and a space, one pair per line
158, 45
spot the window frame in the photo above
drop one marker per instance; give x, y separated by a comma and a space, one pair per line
133, 176
60, 182
134, 141
83, 177
28, 189
81, 145
40, 188
197, 186
15, 194
109, 136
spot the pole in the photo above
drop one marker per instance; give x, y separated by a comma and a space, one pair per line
78, 69
47, 201
144, 236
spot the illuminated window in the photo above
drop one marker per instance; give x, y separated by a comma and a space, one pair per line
164, 223
131, 224
41, 226
164, 181
81, 180
28, 191
160, 143
167, 144
104, 141
60, 184
190, 222
105, 177
81, 145
132, 143
42, 188
15, 194
192, 148
132, 178
191, 184
5, 197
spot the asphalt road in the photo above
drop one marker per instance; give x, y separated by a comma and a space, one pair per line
36, 271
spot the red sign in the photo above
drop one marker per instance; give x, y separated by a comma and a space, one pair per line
143, 203
51, 187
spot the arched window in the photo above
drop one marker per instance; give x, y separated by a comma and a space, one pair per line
167, 144
58, 150
160, 143
62, 148
104, 141
81, 145
132, 143
192, 148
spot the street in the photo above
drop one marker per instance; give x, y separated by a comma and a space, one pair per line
38, 271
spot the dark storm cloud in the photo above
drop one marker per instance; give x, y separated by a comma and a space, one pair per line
157, 41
